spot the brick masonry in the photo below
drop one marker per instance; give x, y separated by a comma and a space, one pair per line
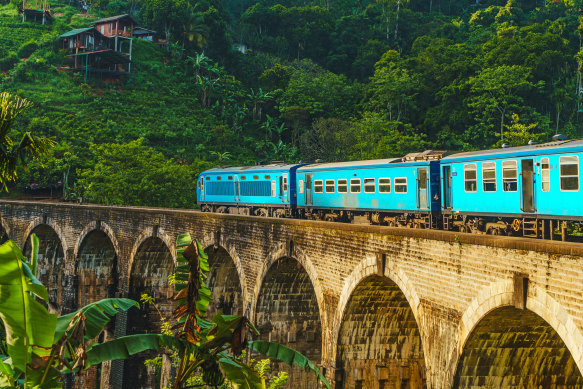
396, 307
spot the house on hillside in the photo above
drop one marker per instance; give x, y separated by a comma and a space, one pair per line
105, 48
36, 10
144, 34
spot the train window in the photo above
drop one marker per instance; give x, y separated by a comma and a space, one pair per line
369, 185
318, 186
243, 178
509, 176
267, 177
342, 186
208, 178
355, 185
230, 177
545, 175
219, 178
330, 186
285, 183
255, 177
384, 185
569, 167
471, 177
489, 176
301, 186
400, 184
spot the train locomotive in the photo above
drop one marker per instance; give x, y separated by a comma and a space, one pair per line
528, 190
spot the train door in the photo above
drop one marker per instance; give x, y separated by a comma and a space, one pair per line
446, 187
422, 200
308, 189
285, 188
201, 187
527, 185
237, 189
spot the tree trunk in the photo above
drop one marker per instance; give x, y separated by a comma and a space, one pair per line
397, 19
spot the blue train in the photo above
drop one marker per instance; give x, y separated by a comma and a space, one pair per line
528, 190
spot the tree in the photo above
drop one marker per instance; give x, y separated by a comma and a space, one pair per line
393, 88
135, 174
164, 15
496, 90
12, 153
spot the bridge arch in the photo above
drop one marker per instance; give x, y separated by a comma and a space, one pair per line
97, 269
544, 319
151, 263
144, 236
96, 226
52, 261
288, 308
397, 356
5, 229
284, 251
227, 294
229, 248
39, 221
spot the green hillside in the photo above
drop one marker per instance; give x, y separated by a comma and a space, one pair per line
305, 80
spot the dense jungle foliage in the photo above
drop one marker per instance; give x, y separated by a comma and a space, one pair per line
245, 82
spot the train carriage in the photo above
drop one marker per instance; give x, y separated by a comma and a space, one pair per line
518, 188
268, 190
388, 191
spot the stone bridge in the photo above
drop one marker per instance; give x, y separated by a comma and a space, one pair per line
374, 307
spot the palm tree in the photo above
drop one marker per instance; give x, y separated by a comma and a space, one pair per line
194, 31
14, 153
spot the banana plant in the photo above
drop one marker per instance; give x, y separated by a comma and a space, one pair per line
39, 346
203, 346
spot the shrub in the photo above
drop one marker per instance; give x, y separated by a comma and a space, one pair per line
27, 49
8, 62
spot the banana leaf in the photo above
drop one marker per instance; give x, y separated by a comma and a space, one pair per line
96, 315
29, 326
287, 355
239, 373
126, 346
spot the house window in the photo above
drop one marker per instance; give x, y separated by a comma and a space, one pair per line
401, 185
369, 185
489, 176
470, 177
343, 186
103, 30
330, 186
384, 185
355, 185
318, 186
545, 175
110, 27
569, 169
509, 176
